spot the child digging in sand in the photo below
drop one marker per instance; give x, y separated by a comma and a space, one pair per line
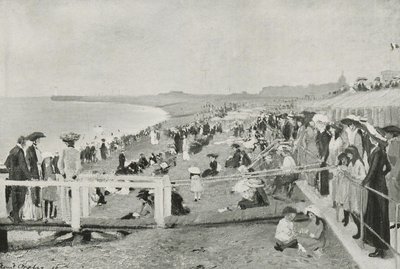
285, 234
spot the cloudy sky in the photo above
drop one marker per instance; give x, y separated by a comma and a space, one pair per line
140, 47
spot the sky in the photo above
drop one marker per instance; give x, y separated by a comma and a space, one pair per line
147, 47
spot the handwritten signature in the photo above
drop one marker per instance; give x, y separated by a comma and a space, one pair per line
27, 266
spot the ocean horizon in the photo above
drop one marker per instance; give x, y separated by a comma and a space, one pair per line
93, 120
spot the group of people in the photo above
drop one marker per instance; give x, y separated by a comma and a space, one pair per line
29, 163
376, 85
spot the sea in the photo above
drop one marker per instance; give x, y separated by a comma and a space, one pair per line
93, 121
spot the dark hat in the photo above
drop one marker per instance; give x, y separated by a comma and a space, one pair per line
212, 155
143, 194
289, 210
35, 135
236, 146
103, 140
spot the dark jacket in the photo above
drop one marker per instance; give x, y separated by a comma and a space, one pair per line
287, 130
121, 160
377, 213
16, 164
32, 161
323, 140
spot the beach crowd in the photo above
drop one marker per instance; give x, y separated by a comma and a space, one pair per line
362, 155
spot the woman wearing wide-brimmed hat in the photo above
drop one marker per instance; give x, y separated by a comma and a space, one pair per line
312, 238
253, 194
377, 212
70, 167
34, 160
213, 170
196, 184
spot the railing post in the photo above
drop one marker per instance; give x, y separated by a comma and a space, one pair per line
85, 201
3, 214
362, 217
159, 204
3, 203
75, 207
396, 244
167, 196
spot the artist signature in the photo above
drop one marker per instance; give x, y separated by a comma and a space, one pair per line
27, 266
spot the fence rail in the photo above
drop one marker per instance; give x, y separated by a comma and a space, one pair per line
80, 188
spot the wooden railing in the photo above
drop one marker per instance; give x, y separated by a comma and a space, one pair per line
80, 189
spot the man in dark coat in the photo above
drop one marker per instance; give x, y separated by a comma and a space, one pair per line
103, 150
377, 213
32, 159
234, 161
121, 159
18, 170
55, 163
287, 129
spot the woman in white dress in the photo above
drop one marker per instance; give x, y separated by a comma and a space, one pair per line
69, 165
153, 137
185, 147
196, 184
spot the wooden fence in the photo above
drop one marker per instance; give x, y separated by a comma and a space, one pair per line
80, 193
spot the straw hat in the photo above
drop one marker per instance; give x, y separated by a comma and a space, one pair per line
194, 170
254, 183
164, 165
313, 209
70, 137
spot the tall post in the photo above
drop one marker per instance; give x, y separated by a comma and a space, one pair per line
362, 216
167, 196
396, 244
3, 214
3, 202
75, 207
159, 204
85, 201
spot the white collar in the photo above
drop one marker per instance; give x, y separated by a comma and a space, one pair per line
19, 145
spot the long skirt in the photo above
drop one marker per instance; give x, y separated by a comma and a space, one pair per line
377, 217
342, 195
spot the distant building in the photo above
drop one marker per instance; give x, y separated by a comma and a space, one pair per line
388, 75
310, 90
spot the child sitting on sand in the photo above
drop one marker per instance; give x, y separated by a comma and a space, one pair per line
312, 238
285, 234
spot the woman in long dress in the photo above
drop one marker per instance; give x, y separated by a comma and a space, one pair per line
357, 171
336, 146
70, 167
185, 148
377, 213
311, 150
49, 194
341, 197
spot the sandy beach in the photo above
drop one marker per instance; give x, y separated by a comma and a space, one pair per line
247, 245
